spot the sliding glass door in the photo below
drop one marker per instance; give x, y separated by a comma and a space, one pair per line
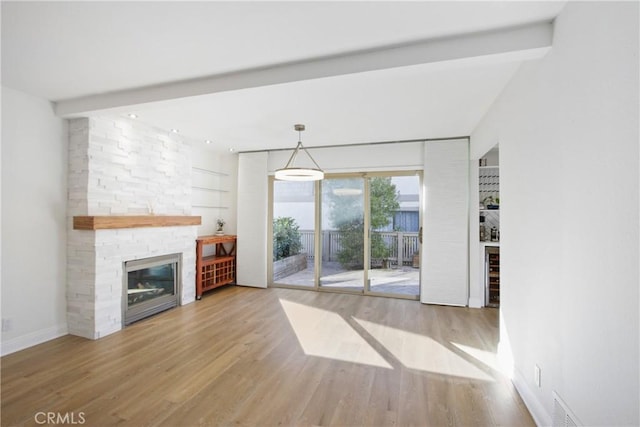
342, 234
358, 233
293, 233
394, 212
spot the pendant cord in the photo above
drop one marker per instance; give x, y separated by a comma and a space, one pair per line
312, 159
295, 153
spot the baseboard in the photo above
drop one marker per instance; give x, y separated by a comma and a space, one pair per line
252, 286
33, 338
540, 416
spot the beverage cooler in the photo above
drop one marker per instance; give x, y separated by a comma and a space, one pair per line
492, 276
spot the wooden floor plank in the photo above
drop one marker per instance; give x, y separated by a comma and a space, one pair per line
237, 358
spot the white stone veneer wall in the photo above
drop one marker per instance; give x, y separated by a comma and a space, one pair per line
121, 167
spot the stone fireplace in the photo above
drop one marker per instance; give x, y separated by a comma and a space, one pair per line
118, 167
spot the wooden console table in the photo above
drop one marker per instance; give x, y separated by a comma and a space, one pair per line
215, 270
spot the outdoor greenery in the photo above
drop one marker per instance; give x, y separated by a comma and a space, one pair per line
286, 238
384, 202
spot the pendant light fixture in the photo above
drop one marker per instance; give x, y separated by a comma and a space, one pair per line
292, 173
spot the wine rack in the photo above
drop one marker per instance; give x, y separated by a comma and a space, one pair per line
492, 269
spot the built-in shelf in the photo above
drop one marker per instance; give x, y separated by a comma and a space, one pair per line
209, 171
489, 210
488, 167
216, 190
107, 222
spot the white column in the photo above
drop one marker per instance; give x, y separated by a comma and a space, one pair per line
252, 219
445, 223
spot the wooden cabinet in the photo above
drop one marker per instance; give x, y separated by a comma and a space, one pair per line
218, 269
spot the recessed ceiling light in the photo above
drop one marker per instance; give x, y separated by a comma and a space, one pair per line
208, 141
132, 116
174, 130
231, 150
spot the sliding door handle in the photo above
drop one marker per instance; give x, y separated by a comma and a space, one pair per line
420, 235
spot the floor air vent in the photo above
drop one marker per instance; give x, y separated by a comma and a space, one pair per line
562, 415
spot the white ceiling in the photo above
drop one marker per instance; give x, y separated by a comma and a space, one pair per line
65, 50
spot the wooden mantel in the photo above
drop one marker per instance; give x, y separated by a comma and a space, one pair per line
134, 221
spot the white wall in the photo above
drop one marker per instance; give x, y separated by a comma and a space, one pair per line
34, 196
568, 132
222, 178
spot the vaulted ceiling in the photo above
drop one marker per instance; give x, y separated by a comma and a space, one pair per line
242, 73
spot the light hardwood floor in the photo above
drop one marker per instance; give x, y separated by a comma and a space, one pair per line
252, 357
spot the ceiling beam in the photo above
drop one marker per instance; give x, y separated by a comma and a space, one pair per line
509, 44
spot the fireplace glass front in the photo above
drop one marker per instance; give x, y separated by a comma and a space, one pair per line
151, 286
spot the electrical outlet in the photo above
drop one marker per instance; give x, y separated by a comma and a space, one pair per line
536, 375
7, 324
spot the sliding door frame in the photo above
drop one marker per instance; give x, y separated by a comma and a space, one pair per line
367, 240
366, 176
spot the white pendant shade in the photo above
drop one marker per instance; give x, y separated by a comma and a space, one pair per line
299, 174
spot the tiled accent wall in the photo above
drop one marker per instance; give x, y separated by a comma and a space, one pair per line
118, 167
